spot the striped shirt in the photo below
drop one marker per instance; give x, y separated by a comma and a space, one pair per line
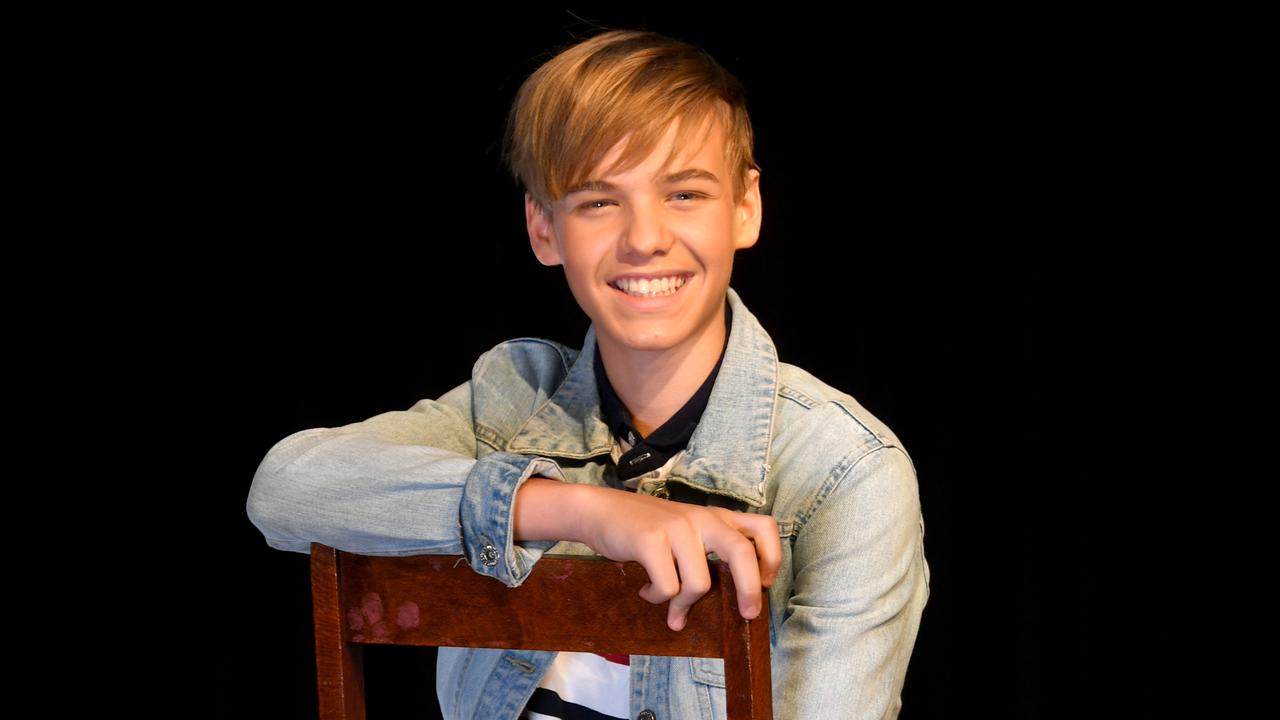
584, 685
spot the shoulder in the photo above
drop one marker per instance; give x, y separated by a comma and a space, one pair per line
826, 418
526, 357
827, 445
519, 374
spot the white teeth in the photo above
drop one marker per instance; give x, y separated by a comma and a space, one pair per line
650, 288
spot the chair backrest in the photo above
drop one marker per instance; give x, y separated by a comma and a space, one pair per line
582, 603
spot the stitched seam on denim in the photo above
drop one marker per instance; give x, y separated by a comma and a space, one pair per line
552, 453
796, 395
533, 687
773, 420
462, 673
704, 671
838, 474
489, 436
525, 666
561, 349
403, 551
704, 699
848, 411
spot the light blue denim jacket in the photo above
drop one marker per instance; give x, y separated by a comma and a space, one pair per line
440, 478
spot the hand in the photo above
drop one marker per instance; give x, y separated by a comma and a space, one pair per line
666, 536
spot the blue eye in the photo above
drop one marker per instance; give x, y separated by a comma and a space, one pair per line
598, 204
691, 195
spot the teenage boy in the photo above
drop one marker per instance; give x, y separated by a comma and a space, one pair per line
673, 433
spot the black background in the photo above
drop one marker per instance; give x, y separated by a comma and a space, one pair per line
937, 200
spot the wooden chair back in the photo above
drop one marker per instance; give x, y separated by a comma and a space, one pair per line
581, 603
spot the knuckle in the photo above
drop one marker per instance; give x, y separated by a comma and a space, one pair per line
743, 559
740, 546
651, 536
686, 598
665, 590
697, 586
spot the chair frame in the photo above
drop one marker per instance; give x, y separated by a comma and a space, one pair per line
578, 603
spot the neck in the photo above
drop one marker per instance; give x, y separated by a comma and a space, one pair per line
654, 384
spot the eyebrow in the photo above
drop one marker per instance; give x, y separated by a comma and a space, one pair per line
606, 186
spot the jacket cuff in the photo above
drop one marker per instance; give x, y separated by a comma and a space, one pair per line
487, 514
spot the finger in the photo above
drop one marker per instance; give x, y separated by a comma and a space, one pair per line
763, 531
734, 548
695, 579
657, 563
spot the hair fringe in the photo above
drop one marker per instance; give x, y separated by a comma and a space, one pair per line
579, 104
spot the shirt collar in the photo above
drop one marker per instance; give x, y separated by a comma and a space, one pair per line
727, 452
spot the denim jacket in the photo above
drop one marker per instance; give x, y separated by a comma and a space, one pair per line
440, 478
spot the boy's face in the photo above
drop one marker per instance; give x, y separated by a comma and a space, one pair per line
649, 225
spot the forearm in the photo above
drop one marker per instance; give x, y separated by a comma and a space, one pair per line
359, 493
547, 509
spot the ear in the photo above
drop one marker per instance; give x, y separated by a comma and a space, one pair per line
746, 216
542, 232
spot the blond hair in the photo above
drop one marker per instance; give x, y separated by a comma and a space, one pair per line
574, 108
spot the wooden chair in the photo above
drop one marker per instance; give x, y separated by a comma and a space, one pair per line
587, 604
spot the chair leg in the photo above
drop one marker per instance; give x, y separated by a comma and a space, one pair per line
339, 664
748, 680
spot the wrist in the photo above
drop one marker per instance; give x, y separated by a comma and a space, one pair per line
579, 502
547, 509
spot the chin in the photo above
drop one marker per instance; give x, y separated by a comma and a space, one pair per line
637, 340
652, 344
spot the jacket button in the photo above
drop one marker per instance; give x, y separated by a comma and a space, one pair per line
646, 715
489, 555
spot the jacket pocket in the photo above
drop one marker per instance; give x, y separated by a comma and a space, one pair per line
708, 671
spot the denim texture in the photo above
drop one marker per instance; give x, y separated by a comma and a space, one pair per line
440, 478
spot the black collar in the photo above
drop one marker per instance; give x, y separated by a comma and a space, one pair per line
651, 453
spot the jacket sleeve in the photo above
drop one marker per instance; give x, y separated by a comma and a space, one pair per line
860, 586
400, 483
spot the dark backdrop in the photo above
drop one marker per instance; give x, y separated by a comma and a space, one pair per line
932, 244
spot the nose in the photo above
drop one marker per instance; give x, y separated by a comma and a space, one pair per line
646, 232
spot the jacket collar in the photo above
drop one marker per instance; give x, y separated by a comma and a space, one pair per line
729, 451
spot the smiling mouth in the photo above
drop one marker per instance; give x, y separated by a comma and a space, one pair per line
658, 287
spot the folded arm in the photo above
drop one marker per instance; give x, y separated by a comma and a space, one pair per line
399, 483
